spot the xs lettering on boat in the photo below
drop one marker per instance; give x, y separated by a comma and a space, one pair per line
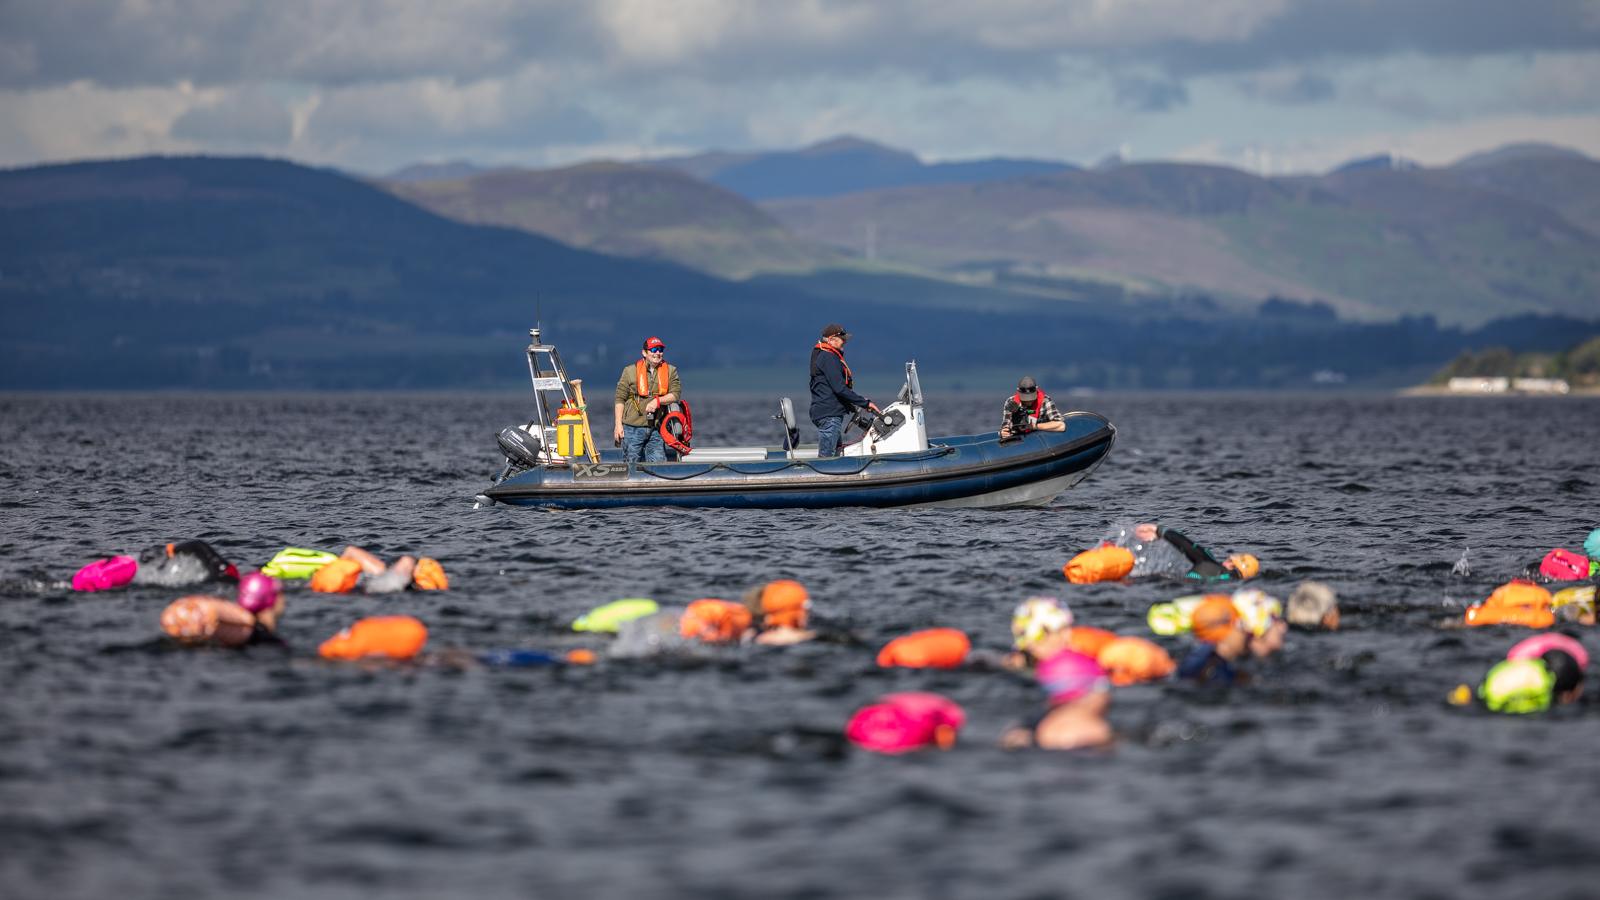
599, 470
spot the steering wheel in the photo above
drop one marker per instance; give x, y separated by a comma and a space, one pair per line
862, 419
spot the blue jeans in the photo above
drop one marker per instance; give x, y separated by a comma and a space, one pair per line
829, 428
641, 442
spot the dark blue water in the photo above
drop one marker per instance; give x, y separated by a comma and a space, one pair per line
129, 768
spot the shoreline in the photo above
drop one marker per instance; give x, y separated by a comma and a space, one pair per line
1429, 390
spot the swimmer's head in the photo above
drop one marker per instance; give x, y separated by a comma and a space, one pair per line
1258, 610
1244, 564
784, 604
1540, 644
1591, 544
1067, 676
1313, 605
1037, 618
1566, 672
258, 592
1518, 686
1214, 619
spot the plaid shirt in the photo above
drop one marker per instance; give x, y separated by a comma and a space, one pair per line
1047, 411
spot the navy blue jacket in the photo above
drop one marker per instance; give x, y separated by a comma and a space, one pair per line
829, 395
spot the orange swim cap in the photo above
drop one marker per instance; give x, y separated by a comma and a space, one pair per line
429, 575
935, 648
1130, 660
784, 604
384, 637
1088, 641
1245, 564
715, 621
337, 577
1214, 618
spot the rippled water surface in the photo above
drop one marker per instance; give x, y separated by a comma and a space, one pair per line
129, 768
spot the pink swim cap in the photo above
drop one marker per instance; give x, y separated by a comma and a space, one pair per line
1068, 676
258, 592
898, 723
105, 573
1540, 644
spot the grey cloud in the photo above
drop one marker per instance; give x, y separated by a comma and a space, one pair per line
1311, 30
1149, 94
343, 42
1291, 87
245, 118
376, 115
124, 43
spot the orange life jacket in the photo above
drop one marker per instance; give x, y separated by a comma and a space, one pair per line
641, 380
849, 380
1038, 403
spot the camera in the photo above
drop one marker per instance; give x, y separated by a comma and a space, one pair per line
1019, 423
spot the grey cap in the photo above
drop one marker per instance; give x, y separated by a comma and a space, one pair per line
1027, 385
1310, 602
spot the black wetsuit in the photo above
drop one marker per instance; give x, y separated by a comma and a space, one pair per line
1201, 563
214, 566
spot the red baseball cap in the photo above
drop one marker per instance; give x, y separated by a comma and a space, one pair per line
654, 342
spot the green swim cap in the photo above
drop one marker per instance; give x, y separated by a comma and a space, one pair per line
606, 618
297, 562
1518, 686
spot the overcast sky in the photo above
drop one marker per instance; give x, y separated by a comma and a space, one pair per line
1268, 85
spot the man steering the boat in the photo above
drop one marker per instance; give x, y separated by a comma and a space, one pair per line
833, 395
1029, 409
643, 390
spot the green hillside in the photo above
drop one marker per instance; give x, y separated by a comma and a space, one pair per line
1373, 243
625, 210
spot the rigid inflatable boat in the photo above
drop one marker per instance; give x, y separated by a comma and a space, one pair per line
891, 463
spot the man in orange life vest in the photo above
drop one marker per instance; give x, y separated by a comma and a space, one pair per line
1033, 403
642, 390
832, 390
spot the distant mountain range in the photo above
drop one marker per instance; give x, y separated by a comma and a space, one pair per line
1508, 232
219, 272
844, 165
633, 211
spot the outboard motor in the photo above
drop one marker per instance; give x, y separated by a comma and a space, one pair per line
520, 447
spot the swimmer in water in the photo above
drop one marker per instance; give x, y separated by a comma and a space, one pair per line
785, 608
183, 563
1222, 643
253, 619
1041, 627
1201, 564
1079, 695
1544, 670
1314, 606
1261, 616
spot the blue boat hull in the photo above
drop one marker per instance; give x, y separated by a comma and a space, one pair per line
971, 470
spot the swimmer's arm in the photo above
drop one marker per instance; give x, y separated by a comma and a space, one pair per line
1191, 551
